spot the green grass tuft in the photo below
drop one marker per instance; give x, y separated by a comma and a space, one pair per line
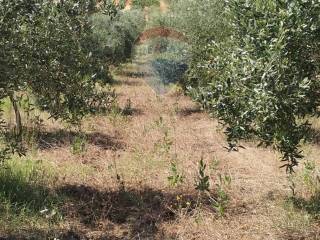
27, 198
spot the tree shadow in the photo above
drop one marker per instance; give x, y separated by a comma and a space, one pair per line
188, 111
141, 211
133, 74
311, 205
55, 234
127, 82
132, 112
314, 136
27, 201
61, 138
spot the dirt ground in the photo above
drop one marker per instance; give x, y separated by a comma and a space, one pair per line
119, 189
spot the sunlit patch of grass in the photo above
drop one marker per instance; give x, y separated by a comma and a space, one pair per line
294, 219
307, 195
301, 210
82, 172
116, 116
27, 198
145, 162
7, 110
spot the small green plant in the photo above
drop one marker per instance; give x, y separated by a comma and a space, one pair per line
305, 188
175, 177
159, 122
79, 144
292, 185
114, 111
167, 142
214, 164
202, 181
220, 201
311, 177
222, 198
115, 115
176, 108
164, 145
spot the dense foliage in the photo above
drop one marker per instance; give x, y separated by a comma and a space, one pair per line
254, 64
113, 38
202, 24
169, 71
44, 52
261, 79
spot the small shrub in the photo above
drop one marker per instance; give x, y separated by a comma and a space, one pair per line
220, 202
305, 187
164, 145
175, 178
202, 182
169, 71
79, 144
311, 177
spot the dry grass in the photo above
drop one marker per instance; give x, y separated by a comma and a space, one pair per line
118, 187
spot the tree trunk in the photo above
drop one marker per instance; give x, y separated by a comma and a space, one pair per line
18, 127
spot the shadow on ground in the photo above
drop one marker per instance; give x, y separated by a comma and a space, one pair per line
186, 112
127, 82
314, 136
135, 74
139, 211
114, 214
311, 205
57, 235
62, 138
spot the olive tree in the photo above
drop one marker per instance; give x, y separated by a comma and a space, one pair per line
262, 80
44, 52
